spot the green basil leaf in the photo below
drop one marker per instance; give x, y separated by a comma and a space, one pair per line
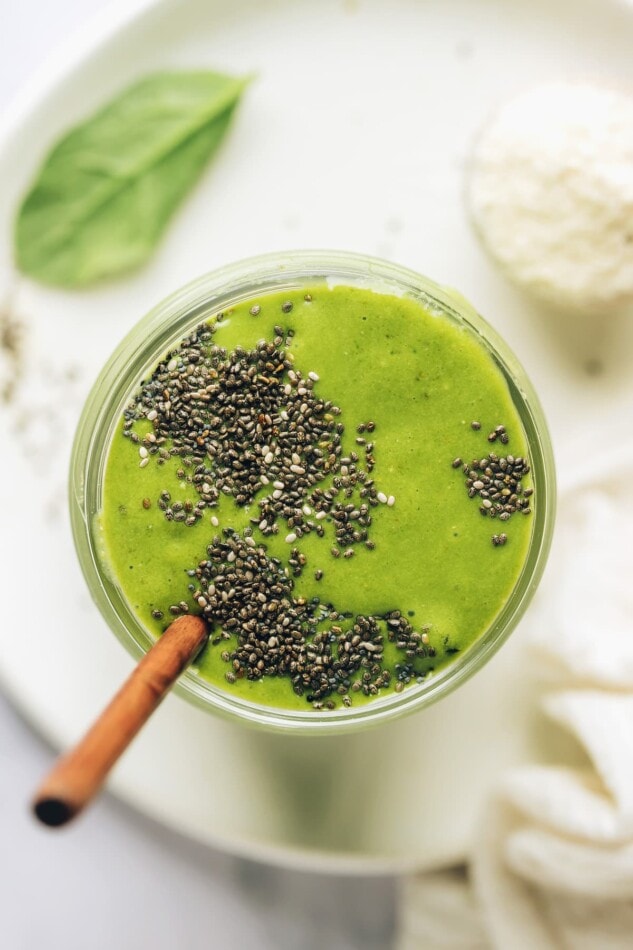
107, 189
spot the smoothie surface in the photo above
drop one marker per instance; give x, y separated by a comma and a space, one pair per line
420, 380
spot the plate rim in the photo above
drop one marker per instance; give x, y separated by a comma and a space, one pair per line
66, 56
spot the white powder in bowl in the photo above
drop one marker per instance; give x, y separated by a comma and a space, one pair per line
550, 191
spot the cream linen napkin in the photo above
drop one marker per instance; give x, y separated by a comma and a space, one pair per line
552, 866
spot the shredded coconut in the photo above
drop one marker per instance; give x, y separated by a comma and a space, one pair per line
551, 193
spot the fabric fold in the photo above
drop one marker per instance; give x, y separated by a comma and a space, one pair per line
551, 867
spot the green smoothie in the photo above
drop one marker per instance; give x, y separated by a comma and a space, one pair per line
337, 478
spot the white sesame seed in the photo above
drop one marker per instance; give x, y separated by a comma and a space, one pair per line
425, 638
264, 480
391, 501
142, 452
277, 494
291, 538
231, 557
202, 602
287, 389
314, 376
278, 485
152, 414
382, 498
321, 515
143, 463
171, 366
297, 470
211, 590
269, 458
206, 487
296, 459
214, 521
263, 524
284, 414
250, 542
307, 510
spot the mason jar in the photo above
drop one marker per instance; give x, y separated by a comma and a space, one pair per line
162, 329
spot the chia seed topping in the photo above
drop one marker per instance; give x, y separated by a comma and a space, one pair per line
244, 419
496, 481
249, 425
249, 595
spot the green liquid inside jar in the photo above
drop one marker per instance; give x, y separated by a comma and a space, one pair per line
421, 380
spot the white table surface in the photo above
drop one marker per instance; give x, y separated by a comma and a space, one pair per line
116, 880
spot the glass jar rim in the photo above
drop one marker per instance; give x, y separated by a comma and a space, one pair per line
166, 324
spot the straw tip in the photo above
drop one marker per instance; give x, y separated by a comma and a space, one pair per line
52, 812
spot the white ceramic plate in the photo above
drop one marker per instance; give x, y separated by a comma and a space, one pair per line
354, 135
